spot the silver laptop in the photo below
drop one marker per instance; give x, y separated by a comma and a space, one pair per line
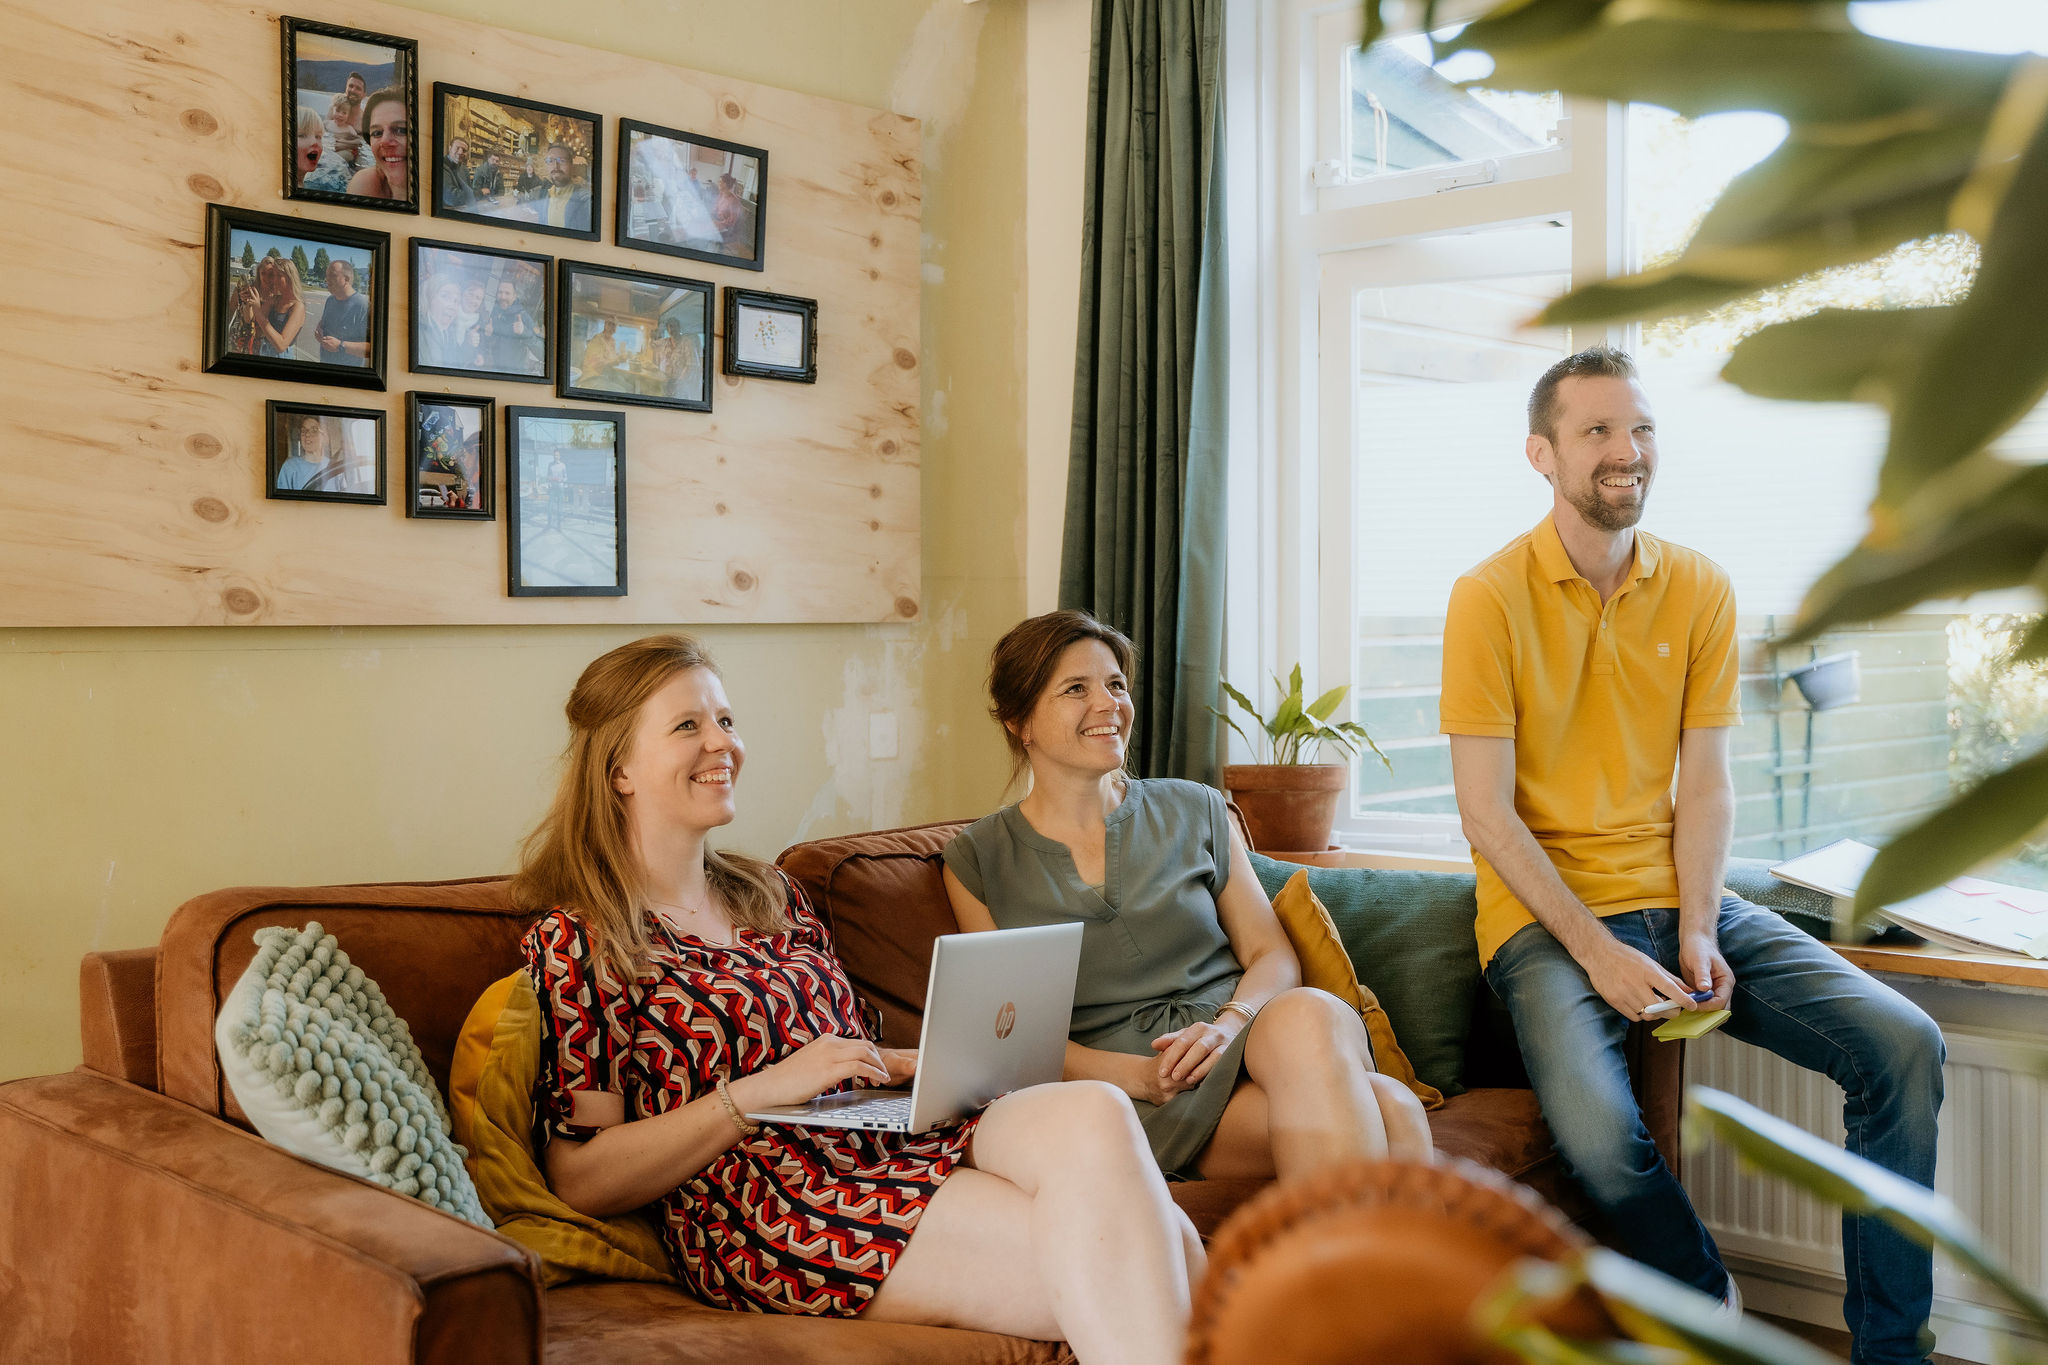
996, 1016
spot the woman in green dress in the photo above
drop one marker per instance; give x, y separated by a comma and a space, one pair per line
1189, 997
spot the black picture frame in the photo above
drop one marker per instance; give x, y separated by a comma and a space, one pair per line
556, 501
278, 450
804, 370
420, 309
228, 347
419, 407
405, 80
458, 201
645, 370
641, 237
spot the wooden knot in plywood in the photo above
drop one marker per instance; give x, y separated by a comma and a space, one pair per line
905, 358
733, 111
742, 581
241, 601
888, 447
874, 490
875, 240
210, 509
202, 446
906, 606
888, 198
206, 187
200, 122
719, 508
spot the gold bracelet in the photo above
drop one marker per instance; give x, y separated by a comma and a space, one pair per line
732, 1111
1246, 1010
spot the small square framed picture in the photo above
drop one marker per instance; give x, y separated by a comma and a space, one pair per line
351, 116
450, 448
690, 195
290, 298
480, 313
318, 453
632, 337
565, 502
771, 336
516, 163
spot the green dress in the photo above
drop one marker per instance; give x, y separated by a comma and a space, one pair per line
1154, 957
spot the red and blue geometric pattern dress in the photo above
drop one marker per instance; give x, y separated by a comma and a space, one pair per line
792, 1220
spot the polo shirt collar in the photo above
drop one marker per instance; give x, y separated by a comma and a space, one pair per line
1557, 565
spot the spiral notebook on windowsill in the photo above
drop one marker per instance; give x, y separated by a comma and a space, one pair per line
1968, 914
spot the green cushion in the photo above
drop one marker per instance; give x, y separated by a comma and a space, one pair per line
1751, 879
1411, 940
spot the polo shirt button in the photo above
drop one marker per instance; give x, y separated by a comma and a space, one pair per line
1603, 625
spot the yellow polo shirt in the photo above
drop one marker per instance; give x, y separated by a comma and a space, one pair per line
1594, 698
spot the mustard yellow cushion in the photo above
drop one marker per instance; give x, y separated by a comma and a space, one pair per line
1327, 967
490, 1103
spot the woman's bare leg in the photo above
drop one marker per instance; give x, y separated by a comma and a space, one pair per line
1062, 1185
1312, 1096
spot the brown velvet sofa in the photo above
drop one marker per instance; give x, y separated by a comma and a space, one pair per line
141, 1220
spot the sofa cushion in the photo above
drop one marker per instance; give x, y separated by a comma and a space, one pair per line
431, 946
326, 1070
1325, 966
884, 898
1410, 938
490, 1103
600, 1323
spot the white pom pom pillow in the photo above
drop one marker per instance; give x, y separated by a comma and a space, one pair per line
325, 1070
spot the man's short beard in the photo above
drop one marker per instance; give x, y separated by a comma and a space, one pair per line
1603, 515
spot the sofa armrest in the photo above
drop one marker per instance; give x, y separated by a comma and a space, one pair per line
134, 1227
117, 1013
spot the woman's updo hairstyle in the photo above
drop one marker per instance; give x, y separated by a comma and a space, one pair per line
1022, 665
580, 857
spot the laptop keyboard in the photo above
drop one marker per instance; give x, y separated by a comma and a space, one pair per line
893, 1110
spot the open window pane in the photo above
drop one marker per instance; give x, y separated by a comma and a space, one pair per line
1404, 114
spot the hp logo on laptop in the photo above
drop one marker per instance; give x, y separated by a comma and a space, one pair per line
1006, 1019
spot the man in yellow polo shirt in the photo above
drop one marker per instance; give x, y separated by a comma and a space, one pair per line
1584, 664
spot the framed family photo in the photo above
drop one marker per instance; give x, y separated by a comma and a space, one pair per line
690, 195
632, 337
565, 502
516, 163
450, 450
351, 112
480, 312
317, 453
771, 336
290, 298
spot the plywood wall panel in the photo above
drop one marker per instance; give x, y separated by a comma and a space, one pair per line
133, 487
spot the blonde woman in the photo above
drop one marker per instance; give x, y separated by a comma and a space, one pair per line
684, 987
279, 310
1190, 997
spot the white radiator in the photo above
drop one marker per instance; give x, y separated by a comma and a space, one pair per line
1993, 1162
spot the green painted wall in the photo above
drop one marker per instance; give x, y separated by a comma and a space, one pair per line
141, 767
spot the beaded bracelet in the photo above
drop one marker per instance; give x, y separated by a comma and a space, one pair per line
732, 1111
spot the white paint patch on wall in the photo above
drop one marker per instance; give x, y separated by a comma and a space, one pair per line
935, 75
872, 791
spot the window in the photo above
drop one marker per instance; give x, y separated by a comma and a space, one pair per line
1436, 222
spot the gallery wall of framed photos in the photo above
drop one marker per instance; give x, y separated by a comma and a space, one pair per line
371, 316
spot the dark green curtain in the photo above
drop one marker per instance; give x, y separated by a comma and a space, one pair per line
1144, 530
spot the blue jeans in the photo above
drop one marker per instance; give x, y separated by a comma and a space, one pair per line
1794, 996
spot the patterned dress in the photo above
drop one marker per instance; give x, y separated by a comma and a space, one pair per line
792, 1220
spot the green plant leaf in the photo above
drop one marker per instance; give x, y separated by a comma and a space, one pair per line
1984, 821
1990, 366
1805, 64
1322, 707
1994, 535
1659, 1310
1225, 718
1819, 1167
1837, 355
1242, 700
1707, 277
1357, 732
1294, 686
1288, 717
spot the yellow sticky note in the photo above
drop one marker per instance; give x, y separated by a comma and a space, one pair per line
1692, 1024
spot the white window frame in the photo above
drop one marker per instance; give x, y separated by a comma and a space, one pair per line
1290, 593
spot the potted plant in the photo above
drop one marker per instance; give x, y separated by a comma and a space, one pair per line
1290, 800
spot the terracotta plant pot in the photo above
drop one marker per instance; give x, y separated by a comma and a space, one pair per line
1288, 807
